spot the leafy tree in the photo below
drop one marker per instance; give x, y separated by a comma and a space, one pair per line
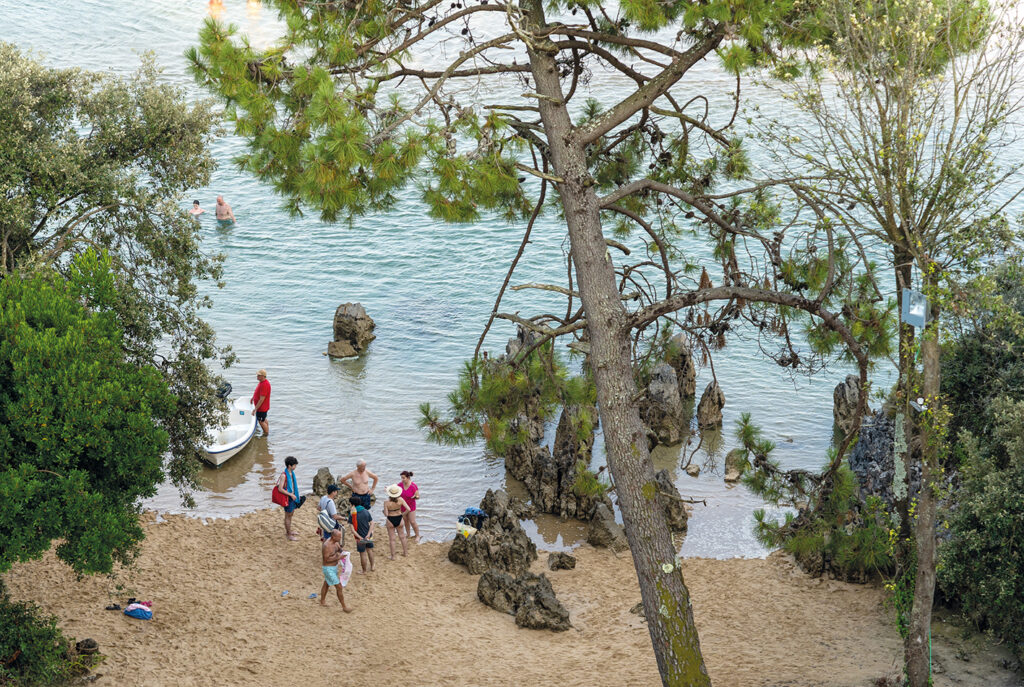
982, 563
80, 434
90, 160
341, 113
906, 104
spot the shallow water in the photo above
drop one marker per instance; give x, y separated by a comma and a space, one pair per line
429, 288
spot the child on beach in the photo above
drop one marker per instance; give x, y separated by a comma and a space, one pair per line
394, 507
362, 531
336, 568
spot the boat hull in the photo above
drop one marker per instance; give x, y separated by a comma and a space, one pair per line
227, 442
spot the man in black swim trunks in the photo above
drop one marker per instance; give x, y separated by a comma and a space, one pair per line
362, 530
261, 401
359, 481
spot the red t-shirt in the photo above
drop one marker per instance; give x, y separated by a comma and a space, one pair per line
262, 389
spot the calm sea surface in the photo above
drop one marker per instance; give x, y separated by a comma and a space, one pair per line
428, 286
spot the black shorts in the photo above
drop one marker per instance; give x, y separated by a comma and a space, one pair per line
365, 500
362, 545
261, 416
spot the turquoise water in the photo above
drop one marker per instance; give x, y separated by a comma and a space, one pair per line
429, 288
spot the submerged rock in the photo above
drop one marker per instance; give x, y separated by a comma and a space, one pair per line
353, 331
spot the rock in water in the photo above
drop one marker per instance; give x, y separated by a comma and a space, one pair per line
844, 403
528, 597
353, 331
735, 464
709, 410
604, 531
680, 357
561, 561
693, 470
662, 408
321, 480
672, 503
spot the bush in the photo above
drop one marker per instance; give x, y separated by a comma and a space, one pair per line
33, 651
982, 565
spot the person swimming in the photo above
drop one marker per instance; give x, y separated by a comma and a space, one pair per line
225, 217
196, 210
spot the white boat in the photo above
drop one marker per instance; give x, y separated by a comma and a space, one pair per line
225, 442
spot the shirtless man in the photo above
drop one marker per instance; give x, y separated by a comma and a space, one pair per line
331, 550
359, 480
225, 217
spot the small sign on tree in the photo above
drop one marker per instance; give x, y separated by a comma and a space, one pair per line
915, 308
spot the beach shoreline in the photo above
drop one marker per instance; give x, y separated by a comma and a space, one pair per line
219, 610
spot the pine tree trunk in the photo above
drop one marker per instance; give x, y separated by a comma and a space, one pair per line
666, 601
904, 383
917, 645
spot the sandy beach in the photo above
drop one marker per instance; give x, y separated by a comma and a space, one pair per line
220, 618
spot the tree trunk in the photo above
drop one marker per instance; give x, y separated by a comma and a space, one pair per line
904, 384
917, 644
666, 601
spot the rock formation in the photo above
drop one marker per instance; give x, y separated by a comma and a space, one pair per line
709, 410
559, 560
680, 357
871, 460
661, 409
528, 597
353, 331
844, 403
671, 502
604, 531
735, 463
499, 543
321, 480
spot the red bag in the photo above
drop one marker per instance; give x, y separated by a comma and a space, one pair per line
278, 497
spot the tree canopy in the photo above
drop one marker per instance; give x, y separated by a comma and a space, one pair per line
80, 424
91, 160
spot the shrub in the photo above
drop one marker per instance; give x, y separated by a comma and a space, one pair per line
33, 651
982, 564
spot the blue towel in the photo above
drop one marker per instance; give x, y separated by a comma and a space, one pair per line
291, 484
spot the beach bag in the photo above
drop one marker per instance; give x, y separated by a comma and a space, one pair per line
140, 611
327, 523
278, 497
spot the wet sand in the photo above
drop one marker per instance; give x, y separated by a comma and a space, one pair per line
220, 617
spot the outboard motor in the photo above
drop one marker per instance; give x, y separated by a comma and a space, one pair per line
223, 391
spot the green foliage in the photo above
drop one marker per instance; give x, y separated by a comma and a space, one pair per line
982, 564
589, 484
33, 651
496, 395
832, 530
80, 442
90, 160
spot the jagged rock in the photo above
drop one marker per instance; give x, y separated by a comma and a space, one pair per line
499, 543
871, 460
353, 331
680, 357
662, 408
709, 410
528, 597
321, 480
561, 561
693, 470
604, 531
671, 502
844, 403
735, 463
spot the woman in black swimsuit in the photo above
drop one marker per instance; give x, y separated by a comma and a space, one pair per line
393, 509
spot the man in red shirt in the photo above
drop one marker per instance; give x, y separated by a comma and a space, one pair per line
261, 401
